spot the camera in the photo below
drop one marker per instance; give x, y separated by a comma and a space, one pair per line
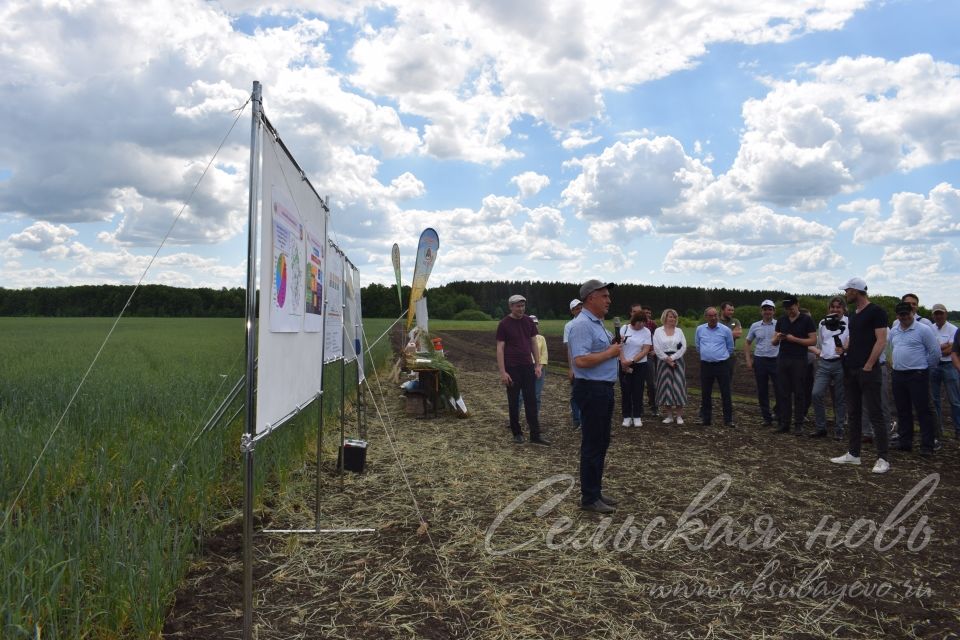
834, 322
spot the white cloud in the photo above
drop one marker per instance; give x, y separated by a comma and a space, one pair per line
530, 183
854, 119
816, 258
472, 68
915, 219
760, 226
640, 178
41, 236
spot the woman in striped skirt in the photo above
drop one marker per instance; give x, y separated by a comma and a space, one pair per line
669, 344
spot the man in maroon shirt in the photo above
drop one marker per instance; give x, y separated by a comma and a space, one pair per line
517, 358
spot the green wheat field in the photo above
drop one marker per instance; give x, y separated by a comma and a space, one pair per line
105, 527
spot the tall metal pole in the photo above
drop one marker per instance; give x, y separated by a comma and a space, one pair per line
358, 347
343, 368
250, 430
323, 378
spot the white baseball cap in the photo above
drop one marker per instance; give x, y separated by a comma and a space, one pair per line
854, 283
574, 304
768, 303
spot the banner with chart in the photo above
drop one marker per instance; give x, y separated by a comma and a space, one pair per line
313, 304
333, 329
287, 260
289, 335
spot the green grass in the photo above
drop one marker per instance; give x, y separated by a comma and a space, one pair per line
105, 528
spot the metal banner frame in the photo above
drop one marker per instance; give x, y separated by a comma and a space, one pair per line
250, 436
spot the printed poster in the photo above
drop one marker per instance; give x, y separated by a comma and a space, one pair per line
333, 329
313, 318
289, 269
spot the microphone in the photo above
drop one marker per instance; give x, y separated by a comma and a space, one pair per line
616, 330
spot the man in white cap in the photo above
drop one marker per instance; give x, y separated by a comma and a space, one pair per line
944, 373
518, 360
862, 377
596, 362
761, 356
575, 308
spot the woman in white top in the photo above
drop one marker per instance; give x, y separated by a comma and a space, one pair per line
670, 344
633, 366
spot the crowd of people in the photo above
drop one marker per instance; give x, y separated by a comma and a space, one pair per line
842, 360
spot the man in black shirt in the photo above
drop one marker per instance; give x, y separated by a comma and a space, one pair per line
793, 333
862, 377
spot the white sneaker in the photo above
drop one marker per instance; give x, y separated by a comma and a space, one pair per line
637, 422
669, 420
846, 459
679, 419
627, 422
882, 466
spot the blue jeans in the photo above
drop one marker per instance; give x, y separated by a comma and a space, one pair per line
538, 390
595, 400
946, 373
829, 374
910, 394
765, 372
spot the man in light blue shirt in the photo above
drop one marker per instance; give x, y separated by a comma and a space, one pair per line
763, 359
714, 342
915, 351
595, 363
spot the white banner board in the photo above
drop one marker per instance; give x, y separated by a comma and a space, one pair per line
359, 342
289, 333
333, 327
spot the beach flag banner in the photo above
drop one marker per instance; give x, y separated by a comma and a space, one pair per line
426, 257
395, 255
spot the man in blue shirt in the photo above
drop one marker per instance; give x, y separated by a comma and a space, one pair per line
763, 360
915, 351
714, 342
595, 363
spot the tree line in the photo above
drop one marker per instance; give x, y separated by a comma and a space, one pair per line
454, 300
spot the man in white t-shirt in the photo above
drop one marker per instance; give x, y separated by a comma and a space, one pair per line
832, 339
575, 308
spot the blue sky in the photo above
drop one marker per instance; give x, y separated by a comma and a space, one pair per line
786, 145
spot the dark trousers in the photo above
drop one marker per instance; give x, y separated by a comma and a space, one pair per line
719, 371
631, 390
765, 372
651, 378
595, 400
910, 395
524, 379
792, 391
863, 389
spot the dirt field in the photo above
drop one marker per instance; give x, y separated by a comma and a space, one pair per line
736, 533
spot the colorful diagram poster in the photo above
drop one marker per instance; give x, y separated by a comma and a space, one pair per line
286, 292
333, 329
313, 318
